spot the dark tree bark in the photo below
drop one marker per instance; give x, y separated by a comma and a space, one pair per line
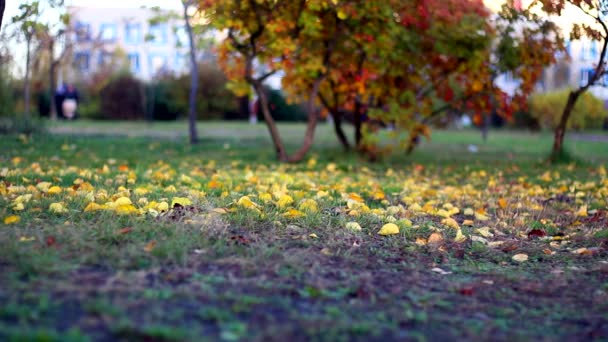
340, 132
2, 6
560, 130
193, 78
598, 72
311, 124
357, 121
270, 123
26, 82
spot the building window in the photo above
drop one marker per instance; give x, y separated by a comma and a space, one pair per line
158, 34
81, 61
589, 50
133, 33
593, 50
108, 32
83, 32
181, 37
586, 75
105, 58
134, 62
158, 63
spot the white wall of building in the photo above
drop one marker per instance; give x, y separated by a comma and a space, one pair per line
150, 49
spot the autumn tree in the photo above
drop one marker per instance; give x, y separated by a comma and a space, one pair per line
590, 24
264, 37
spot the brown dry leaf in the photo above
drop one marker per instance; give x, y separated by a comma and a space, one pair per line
150, 246
125, 230
435, 239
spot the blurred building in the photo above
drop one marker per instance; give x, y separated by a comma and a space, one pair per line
572, 68
104, 35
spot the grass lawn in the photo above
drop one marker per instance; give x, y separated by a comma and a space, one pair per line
115, 231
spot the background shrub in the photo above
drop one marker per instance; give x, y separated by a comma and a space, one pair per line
122, 98
280, 109
546, 108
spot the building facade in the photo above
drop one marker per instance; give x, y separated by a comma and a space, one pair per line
101, 35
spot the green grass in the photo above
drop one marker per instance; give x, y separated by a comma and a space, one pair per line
248, 275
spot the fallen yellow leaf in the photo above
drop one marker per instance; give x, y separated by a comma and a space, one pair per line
11, 219
57, 208
183, 201
520, 257
450, 222
353, 226
389, 229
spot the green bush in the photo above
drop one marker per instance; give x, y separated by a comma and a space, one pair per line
7, 93
213, 99
280, 109
122, 98
588, 113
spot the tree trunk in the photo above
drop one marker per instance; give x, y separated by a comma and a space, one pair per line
52, 70
243, 107
339, 131
272, 127
311, 125
358, 122
560, 130
2, 6
26, 82
485, 127
193, 79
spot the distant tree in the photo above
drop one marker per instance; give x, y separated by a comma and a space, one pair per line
593, 25
50, 37
194, 29
27, 22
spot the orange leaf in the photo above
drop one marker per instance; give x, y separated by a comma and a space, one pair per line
125, 230
502, 203
150, 246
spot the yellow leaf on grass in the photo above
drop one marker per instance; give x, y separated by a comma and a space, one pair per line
246, 202
183, 201
18, 207
162, 206
520, 257
284, 200
126, 209
481, 217
94, 207
582, 212
415, 207
389, 229
54, 190
484, 231
450, 222
502, 203
308, 205
122, 201
57, 208
459, 236
468, 222
12, 219
353, 226
293, 213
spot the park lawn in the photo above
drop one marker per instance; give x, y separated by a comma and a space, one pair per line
140, 236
